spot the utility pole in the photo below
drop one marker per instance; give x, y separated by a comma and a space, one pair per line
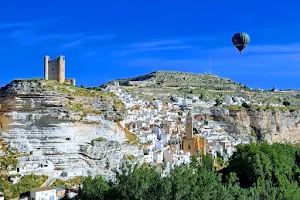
210, 65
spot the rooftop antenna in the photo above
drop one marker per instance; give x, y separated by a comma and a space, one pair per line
210, 65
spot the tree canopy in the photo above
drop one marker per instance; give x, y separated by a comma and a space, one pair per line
255, 171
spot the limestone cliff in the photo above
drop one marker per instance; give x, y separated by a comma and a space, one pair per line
273, 125
270, 125
71, 126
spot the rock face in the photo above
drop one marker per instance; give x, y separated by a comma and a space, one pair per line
270, 126
51, 122
214, 112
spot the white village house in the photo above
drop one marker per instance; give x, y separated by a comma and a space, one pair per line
43, 193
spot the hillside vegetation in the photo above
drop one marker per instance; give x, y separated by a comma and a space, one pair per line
26, 183
37, 85
163, 84
181, 79
255, 171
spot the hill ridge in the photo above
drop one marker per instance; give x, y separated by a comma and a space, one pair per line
166, 78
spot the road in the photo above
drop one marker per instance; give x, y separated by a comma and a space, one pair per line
48, 182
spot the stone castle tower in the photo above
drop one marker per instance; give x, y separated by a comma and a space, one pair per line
188, 141
55, 70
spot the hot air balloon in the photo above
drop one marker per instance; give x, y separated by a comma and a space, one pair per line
240, 41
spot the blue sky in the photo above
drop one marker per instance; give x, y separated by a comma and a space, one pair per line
105, 40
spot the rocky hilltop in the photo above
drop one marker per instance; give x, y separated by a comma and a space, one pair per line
272, 115
73, 127
179, 79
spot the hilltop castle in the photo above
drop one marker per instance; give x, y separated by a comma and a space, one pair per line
55, 70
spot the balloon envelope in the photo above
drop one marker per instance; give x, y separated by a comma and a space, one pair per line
240, 40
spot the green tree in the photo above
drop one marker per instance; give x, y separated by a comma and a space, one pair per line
139, 182
198, 181
218, 102
273, 89
201, 97
245, 105
94, 188
286, 103
255, 162
256, 171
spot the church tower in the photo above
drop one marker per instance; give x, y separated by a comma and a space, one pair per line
188, 141
189, 126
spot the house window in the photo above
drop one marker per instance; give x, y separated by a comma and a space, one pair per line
189, 147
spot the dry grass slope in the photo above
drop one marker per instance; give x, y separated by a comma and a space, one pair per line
181, 79
164, 84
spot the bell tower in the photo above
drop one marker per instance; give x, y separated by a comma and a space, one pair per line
188, 141
189, 126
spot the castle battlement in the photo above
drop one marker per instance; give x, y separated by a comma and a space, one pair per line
55, 70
